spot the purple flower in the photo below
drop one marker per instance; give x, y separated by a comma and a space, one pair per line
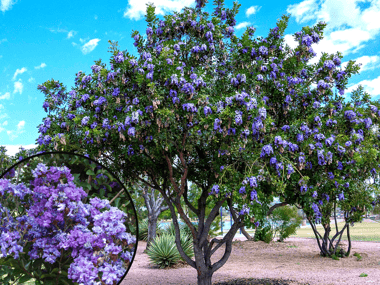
262, 113
238, 117
348, 143
149, 31
307, 40
244, 211
350, 115
215, 189
322, 85
341, 196
290, 168
263, 50
285, 128
207, 110
373, 108
85, 120
266, 150
119, 57
253, 195
329, 64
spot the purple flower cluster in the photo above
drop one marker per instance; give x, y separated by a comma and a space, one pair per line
57, 221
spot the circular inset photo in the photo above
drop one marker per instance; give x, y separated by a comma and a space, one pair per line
65, 219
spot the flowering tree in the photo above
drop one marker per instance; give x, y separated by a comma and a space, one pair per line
243, 119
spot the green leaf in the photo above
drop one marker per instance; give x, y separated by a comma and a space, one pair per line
24, 278
90, 172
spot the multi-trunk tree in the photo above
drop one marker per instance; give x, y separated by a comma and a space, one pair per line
244, 119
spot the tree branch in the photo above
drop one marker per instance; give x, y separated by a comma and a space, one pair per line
271, 209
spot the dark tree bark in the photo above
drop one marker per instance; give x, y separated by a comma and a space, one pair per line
349, 241
246, 234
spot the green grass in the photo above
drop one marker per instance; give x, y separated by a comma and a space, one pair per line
359, 232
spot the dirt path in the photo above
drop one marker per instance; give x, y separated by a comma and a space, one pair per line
276, 260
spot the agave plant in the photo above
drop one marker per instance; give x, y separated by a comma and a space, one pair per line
163, 251
187, 245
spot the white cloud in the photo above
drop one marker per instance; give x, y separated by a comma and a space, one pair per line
20, 125
3, 115
42, 65
89, 46
19, 71
12, 134
18, 87
96, 17
31, 79
137, 8
372, 87
3, 40
5, 123
11, 150
1, 107
71, 34
303, 11
242, 25
368, 62
7, 95
348, 26
83, 40
252, 10
6, 5
59, 30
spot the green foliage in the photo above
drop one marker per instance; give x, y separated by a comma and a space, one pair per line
264, 233
288, 219
363, 275
163, 251
358, 256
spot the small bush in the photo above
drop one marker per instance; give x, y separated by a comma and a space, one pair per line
163, 251
358, 256
335, 257
288, 221
264, 233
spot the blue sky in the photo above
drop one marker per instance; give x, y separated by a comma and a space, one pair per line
55, 39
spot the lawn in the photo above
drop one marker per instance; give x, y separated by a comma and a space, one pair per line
359, 232
364, 231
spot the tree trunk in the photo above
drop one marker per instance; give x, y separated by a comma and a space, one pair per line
247, 235
204, 278
154, 209
152, 225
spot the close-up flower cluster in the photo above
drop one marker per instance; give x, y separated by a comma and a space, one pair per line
58, 228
